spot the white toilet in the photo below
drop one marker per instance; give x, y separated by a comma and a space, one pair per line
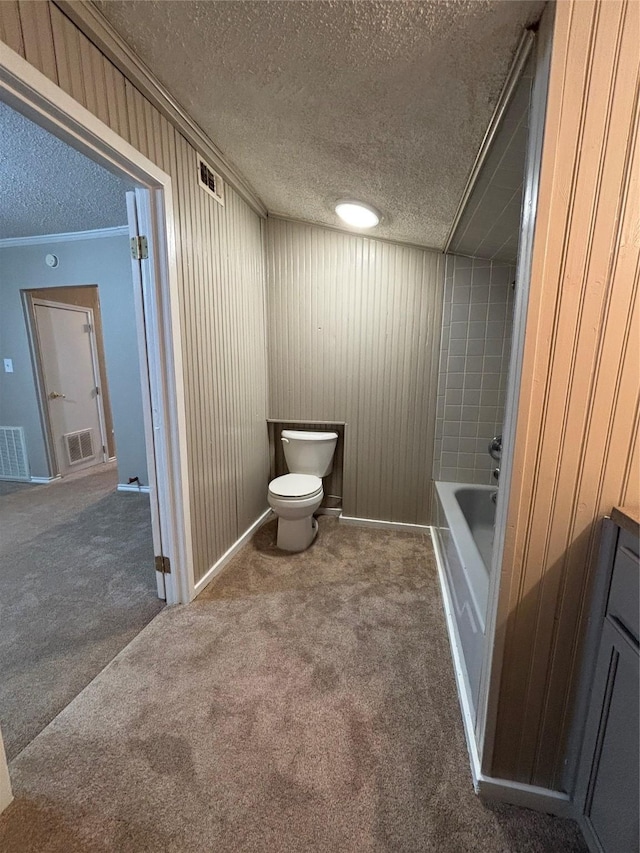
294, 497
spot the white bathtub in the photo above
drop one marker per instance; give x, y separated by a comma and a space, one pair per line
465, 525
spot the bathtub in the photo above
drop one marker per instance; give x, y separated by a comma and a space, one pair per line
464, 529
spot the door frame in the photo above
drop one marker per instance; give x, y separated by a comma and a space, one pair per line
39, 369
28, 91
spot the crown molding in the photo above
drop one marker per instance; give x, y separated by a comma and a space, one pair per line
97, 28
70, 237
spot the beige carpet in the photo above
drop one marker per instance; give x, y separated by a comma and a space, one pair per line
302, 703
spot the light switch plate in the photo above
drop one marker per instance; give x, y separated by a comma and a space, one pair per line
8, 365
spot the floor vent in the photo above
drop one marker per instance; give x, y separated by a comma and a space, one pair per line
79, 446
14, 464
210, 181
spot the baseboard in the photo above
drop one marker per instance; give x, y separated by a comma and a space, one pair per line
384, 525
44, 480
329, 510
490, 788
230, 553
6, 796
131, 487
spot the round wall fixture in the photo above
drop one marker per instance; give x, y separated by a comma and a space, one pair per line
51, 260
357, 214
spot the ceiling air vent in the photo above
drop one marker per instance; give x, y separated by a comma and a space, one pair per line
79, 446
210, 181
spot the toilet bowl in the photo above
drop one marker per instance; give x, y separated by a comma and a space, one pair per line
294, 497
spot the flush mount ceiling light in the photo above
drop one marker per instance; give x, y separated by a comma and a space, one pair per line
357, 214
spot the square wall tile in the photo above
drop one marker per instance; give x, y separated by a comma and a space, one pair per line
479, 292
472, 396
456, 363
449, 460
493, 347
477, 348
461, 295
474, 380
468, 430
476, 330
458, 331
451, 428
478, 312
458, 347
460, 312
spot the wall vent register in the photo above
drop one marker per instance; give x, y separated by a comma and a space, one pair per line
210, 181
13, 454
79, 446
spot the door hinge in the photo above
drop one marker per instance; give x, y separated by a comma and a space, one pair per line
139, 248
97, 391
87, 328
163, 565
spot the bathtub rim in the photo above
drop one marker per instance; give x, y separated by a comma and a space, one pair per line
465, 545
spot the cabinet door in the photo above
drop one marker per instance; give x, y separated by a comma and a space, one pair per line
612, 791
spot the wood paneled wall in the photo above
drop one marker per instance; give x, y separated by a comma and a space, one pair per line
354, 329
576, 452
221, 271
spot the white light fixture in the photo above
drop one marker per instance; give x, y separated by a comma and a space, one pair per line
357, 214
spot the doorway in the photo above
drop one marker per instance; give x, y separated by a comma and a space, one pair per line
154, 277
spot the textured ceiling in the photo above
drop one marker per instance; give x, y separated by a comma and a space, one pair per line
47, 187
387, 102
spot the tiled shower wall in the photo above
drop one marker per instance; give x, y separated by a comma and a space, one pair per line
474, 362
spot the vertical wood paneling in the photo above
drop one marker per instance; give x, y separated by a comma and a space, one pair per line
221, 284
10, 26
576, 441
37, 36
353, 334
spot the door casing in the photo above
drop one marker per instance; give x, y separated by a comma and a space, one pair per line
31, 93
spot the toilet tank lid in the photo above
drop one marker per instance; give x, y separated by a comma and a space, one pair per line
308, 435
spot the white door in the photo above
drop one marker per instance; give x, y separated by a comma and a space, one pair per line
145, 307
69, 368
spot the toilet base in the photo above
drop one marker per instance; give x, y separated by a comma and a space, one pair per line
296, 535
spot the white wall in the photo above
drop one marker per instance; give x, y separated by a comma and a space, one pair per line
104, 261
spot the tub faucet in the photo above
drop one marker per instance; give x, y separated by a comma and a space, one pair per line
495, 447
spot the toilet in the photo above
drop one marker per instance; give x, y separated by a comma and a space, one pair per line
294, 497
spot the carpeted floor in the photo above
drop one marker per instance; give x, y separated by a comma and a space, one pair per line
302, 703
76, 585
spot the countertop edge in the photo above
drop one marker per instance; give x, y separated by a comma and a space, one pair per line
628, 518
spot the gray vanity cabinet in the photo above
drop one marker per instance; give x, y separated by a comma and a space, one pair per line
608, 786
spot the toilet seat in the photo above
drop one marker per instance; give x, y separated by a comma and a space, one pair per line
295, 486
